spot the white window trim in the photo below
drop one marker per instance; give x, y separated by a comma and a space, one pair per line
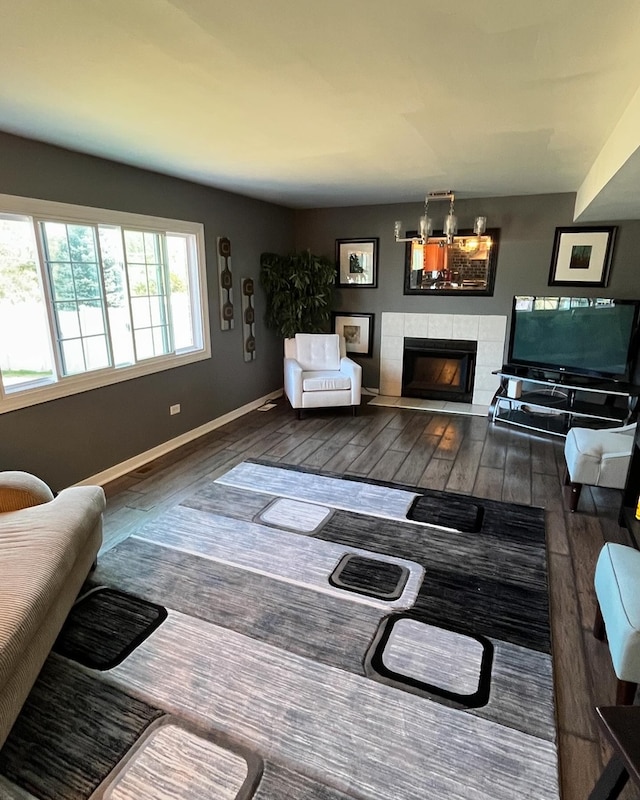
70, 385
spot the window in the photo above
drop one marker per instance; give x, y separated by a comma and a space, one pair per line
90, 297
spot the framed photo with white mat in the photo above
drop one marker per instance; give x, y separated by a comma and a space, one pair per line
357, 330
357, 262
582, 256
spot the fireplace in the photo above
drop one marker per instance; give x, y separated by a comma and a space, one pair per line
487, 331
439, 369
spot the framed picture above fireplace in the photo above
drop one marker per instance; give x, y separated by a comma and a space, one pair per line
467, 266
357, 330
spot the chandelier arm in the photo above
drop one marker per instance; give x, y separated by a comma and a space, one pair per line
450, 226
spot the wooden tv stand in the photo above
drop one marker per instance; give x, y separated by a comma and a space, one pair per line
552, 402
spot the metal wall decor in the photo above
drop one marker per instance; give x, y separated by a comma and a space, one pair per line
248, 320
226, 283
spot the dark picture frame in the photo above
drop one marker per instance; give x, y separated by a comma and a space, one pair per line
476, 257
357, 263
357, 330
582, 256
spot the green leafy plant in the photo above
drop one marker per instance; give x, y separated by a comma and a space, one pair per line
299, 290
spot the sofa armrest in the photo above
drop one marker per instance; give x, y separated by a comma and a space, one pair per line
22, 490
354, 371
293, 382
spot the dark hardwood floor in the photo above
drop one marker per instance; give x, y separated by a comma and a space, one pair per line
469, 455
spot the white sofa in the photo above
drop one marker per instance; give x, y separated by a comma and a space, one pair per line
47, 548
318, 374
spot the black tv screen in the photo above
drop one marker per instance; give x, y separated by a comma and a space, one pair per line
592, 336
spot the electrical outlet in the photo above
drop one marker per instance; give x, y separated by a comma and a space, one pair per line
174, 409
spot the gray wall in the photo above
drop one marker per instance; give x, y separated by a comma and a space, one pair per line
527, 226
66, 440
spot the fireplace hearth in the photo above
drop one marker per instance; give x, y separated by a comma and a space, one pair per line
439, 369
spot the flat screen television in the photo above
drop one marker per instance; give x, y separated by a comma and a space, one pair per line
591, 336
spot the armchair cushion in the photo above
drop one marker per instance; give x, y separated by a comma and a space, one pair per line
324, 381
318, 351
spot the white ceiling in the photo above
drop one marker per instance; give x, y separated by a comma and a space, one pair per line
338, 102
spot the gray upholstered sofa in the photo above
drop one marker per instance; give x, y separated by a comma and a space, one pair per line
47, 548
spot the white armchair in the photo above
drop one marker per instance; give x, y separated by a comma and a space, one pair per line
318, 374
597, 457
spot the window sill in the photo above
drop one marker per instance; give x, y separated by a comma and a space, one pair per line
95, 380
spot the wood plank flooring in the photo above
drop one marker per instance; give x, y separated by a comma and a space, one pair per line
461, 454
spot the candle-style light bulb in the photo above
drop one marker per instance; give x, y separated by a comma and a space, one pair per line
397, 227
426, 227
450, 227
480, 226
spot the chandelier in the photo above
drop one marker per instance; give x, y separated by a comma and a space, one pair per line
450, 224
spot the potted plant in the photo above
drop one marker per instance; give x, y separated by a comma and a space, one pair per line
299, 289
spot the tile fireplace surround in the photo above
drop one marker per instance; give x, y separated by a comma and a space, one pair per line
488, 331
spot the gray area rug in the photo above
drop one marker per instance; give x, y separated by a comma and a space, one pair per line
423, 670
71, 732
105, 625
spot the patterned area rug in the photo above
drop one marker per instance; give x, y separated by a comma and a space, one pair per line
105, 625
72, 731
331, 638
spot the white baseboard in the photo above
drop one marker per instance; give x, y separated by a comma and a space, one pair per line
131, 464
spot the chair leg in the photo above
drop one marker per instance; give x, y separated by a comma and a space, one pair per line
599, 631
574, 497
625, 693
354, 411
298, 413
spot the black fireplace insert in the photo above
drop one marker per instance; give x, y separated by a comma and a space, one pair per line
439, 369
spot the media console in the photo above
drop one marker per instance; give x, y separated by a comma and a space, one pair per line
552, 402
